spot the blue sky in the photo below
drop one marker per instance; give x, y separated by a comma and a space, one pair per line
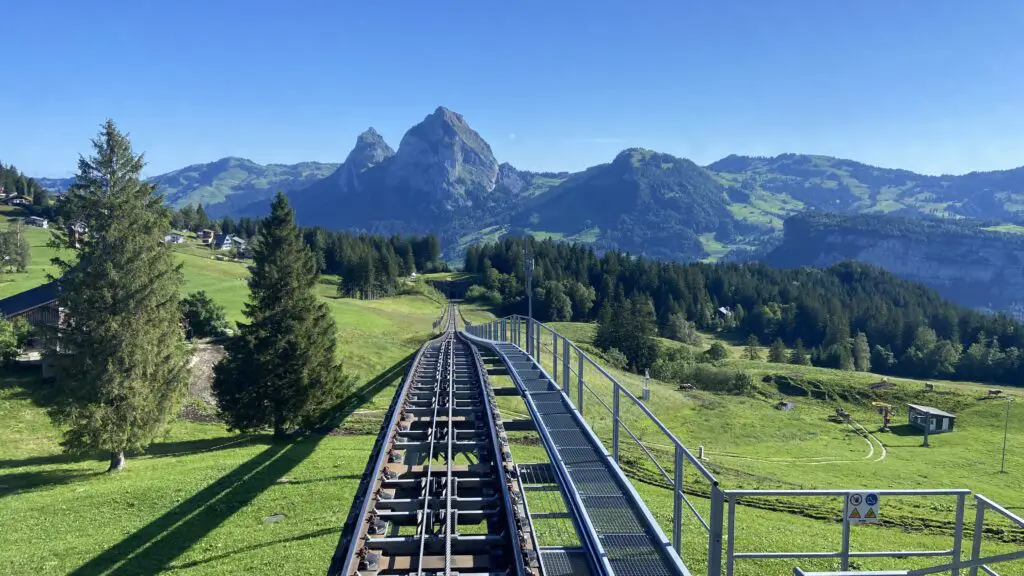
934, 86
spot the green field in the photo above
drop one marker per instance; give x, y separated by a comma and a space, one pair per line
749, 444
198, 501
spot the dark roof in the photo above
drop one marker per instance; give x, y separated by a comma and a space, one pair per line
29, 299
221, 238
930, 410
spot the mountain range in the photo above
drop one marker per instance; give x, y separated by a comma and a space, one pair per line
444, 178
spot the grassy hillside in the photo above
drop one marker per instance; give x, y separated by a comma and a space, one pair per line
198, 501
750, 444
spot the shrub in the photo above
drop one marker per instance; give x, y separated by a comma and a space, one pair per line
205, 317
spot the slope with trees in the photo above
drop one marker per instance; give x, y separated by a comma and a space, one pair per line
849, 316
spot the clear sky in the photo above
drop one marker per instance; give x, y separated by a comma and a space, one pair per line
935, 86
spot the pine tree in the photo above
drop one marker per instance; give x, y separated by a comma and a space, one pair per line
120, 358
752, 352
798, 355
280, 371
777, 353
202, 221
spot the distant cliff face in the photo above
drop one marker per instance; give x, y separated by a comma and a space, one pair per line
964, 262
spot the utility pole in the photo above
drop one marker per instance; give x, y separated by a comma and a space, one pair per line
528, 268
1006, 428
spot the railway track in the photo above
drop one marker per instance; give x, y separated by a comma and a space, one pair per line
439, 495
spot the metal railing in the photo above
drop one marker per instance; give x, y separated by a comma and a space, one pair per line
589, 386
976, 561
844, 554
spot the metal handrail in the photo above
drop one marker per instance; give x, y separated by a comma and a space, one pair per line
545, 349
844, 554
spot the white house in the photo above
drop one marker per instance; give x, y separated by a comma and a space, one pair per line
37, 221
174, 238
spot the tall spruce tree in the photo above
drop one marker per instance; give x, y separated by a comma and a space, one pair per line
120, 358
280, 371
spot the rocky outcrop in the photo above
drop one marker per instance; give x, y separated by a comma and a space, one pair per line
962, 261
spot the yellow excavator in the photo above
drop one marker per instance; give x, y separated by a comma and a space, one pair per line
885, 410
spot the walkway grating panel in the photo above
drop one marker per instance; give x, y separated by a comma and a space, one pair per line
564, 562
627, 535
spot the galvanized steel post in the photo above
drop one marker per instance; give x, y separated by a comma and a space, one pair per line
715, 533
958, 533
677, 502
730, 551
844, 552
979, 525
579, 383
565, 364
554, 356
615, 424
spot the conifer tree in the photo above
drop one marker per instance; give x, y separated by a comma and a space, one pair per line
120, 360
777, 353
798, 355
280, 371
752, 352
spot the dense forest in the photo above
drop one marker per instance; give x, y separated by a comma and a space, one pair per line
848, 316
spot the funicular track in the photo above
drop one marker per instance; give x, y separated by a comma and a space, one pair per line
439, 494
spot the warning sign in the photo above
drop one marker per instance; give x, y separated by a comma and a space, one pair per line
862, 508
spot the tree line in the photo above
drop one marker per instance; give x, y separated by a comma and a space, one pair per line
12, 181
367, 266
848, 316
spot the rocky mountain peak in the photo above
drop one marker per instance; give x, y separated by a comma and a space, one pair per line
443, 158
370, 150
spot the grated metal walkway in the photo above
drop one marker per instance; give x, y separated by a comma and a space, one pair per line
623, 538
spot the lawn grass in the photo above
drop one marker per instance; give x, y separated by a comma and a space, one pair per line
197, 501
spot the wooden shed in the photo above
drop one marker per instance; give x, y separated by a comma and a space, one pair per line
932, 420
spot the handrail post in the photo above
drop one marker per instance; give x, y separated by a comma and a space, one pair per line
979, 525
730, 554
504, 331
677, 502
529, 336
565, 364
515, 330
844, 554
615, 423
715, 533
554, 356
538, 350
579, 383
958, 534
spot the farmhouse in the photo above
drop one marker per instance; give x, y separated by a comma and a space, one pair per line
17, 200
228, 241
174, 238
37, 221
206, 235
933, 420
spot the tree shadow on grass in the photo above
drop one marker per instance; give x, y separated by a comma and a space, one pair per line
359, 397
157, 544
254, 547
21, 482
156, 450
154, 547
